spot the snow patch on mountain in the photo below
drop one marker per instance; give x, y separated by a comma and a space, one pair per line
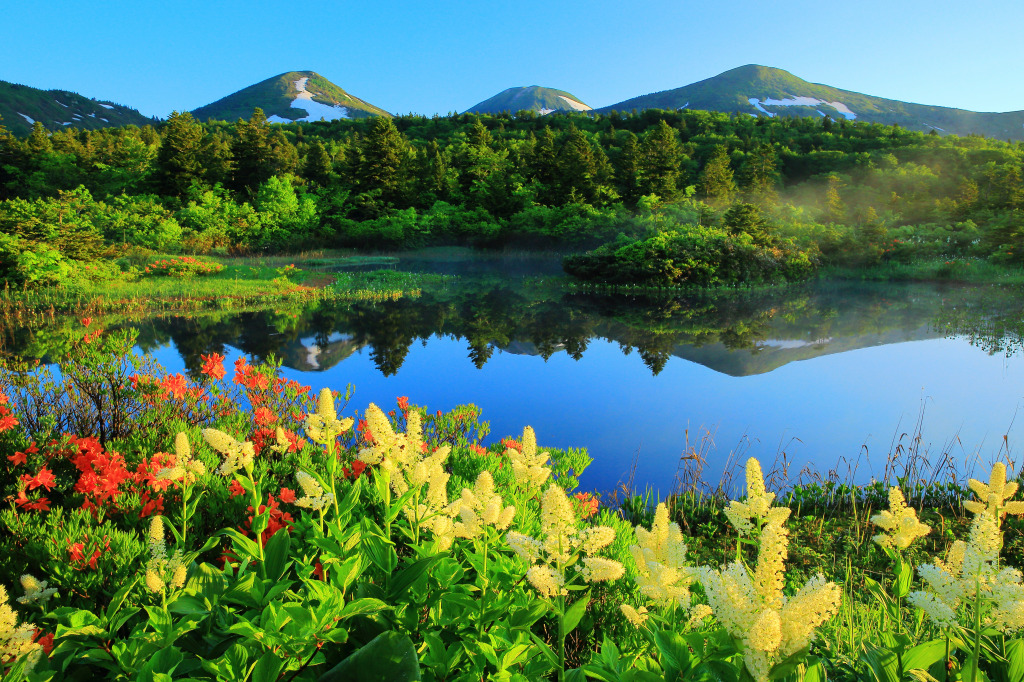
578, 106
760, 105
314, 110
105, 106
61, 103
30, 121
545, 112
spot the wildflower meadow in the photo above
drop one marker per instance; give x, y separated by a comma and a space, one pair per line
228, 524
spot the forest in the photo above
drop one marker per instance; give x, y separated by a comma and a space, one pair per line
663, 197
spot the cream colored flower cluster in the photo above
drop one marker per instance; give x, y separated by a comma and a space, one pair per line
185, 468
323, 426
15, 640
404, 457
970, 573
313, 495
757, 505
237, 455
899, 523
35, 590
660, 556
529, 467
163, 571
561, 545
479, 507
752, 607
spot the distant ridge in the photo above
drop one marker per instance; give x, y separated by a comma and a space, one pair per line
530, 98
295, 96
21, 106
766, 91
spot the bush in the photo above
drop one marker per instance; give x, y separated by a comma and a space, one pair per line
183, 267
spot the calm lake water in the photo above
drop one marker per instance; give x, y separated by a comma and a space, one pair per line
822, 376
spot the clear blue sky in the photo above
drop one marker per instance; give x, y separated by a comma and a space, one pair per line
447, 55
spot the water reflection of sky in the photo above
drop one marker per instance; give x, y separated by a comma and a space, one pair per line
817, 410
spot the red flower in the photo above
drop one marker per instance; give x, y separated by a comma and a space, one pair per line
43, 479
213, 366
235, 488
176, 385
45, 641
264, 416
18, 457
287, 495
76, 551
587, 504
403, 402
318, 571
86, 321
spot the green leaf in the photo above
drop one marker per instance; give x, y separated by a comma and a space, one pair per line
883, 666
1015, 661
269, 667
410, 574
575, 675
575, 612
364, 606
924, 656
388, 657
276, 555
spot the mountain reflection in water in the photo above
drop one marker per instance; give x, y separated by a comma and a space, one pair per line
613, 377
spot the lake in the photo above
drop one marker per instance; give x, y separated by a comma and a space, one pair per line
827, 376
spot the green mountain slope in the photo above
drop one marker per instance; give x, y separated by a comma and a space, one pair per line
533, 97
289, 97
765, 91
21, 105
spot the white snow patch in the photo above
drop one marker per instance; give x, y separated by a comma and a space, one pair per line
61, 103
578, 106
26, 118
67, 123
545, 112
314, 110
794, 343
934, 127
760, 105
756, 103
104, 120
92, 115
105, 106
685, 105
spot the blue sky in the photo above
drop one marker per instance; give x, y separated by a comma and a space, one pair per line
446, 55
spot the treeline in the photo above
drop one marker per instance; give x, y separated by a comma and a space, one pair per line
833, 191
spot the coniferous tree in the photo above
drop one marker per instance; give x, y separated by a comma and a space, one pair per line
179, 161
716, 179
759, 174
252, 152
576, 168
628, 170
835, 209
319, 167
659, 158
379, 163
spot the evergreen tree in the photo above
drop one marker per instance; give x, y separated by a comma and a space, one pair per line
179, 162
319, 167
759, 174
379, 165
251, 150
659, 158
576, 168
627, 172
716, 179
835, 209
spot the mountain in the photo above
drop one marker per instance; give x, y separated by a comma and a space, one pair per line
765, 91
21, 106
296, 96
542, 100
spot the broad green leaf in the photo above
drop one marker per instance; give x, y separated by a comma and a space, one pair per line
268, 668
389, 657
924, 656
575, 612
276, 555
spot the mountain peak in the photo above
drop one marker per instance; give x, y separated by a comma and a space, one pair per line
293, 96
530, 98
768, 91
